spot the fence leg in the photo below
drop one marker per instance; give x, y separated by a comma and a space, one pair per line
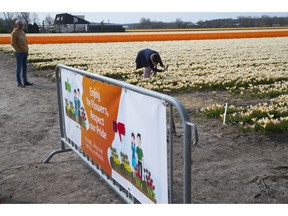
55, 152
171, 130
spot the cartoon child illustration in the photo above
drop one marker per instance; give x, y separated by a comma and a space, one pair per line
133, 148
140, 156
78, 104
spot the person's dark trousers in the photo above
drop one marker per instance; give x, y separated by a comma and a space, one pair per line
21, 64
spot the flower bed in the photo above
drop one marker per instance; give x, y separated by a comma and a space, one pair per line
245, 67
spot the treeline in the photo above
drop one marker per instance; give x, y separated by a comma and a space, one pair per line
7, 21
239, 22
148, 24
4, 28
264, 21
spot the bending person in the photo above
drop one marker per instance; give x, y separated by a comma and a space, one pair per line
149, 59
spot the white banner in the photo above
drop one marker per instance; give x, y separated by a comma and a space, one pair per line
122, 131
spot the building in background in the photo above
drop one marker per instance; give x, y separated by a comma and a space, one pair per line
69, 23
66, 23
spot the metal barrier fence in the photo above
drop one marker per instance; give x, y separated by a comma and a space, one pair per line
188, 128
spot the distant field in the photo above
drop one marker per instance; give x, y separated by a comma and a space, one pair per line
245, 67
156, 35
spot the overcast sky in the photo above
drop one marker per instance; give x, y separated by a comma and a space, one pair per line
131, 11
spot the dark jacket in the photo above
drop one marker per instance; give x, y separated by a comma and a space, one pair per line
143, 59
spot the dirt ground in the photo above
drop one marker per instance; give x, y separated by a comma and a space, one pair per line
228, 166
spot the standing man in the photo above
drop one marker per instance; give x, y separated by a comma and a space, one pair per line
20, 45
149, 59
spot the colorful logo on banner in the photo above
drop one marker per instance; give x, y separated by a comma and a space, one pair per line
122, 131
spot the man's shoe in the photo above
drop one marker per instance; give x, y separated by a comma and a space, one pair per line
28, 83
21, 86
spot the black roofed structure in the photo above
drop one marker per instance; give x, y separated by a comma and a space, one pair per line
67, 23
70, 23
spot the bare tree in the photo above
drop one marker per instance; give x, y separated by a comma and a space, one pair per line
49, 20
25, 16
34, 18
9, 19
179, 23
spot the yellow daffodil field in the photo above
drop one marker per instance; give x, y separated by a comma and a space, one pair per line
251, 67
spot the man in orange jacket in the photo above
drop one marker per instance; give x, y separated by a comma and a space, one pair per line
20, 45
